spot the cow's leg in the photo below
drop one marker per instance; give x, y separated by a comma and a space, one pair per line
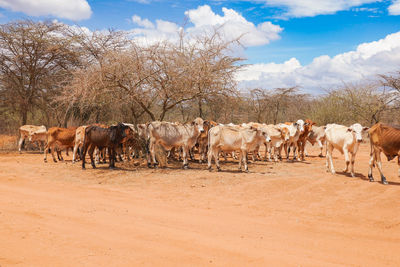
91, 149
153, 153
97, 155
74, 153
66, 151
111, 155
244, 158
294, 151
46, 148
346, 158
21, 143
185, 152
83, 154
303, 150
321, 147
286, 147
240, 161
371, 165
216, 158
53, 148
209, 157
353, 158
379, 165
329, 162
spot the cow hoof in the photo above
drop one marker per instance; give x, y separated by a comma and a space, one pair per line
218, 169
353, 175
185, 167
333, 172
371, 179
383, 179
320, 155
246, 171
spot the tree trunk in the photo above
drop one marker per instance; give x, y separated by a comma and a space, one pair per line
24, 115
200, 108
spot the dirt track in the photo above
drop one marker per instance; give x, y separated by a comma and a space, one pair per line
55, 214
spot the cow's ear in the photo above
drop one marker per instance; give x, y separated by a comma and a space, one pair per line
305, 124
349, 129
365, 128
324, 127
193, 122
295, 124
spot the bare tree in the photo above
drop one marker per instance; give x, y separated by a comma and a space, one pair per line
35, 62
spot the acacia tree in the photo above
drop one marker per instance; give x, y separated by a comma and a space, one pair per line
36, 61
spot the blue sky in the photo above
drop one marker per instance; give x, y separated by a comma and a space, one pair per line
310, 43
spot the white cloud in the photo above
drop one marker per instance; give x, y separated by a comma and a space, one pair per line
142, 22
69, 9
394, 8
310, 8
231, 24
368, 60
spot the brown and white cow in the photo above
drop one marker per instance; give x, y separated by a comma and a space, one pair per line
295, 130
60, 138
301, 142
228, 138
171, 135
317, 135
25, 131
386, 139
346, 140
203, 140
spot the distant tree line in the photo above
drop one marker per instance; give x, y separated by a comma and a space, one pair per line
55, 74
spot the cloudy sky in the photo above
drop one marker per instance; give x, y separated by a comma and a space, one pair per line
314, 44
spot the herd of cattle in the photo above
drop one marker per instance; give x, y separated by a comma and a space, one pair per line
212, 140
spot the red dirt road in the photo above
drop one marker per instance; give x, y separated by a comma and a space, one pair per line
55, 214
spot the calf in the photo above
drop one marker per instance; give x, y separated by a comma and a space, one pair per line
346, 140
171, 135
226, 138
386, 139
110, 138
62, 138
295, 130
25, 131
278, 136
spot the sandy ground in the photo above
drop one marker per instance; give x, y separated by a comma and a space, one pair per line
294, 214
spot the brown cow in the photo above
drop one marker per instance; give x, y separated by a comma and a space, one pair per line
301, 142
62, 138
96, 136
203, 140
386, 139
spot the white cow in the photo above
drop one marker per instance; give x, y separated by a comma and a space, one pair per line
226, 138
26, 131
171, 135
346, 140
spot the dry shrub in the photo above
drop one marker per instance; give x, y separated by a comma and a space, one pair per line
8, 142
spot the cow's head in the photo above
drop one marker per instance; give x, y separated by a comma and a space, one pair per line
285, 134
357, 130
199, 124
266, 136
299, 124
308, 125
118, 132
